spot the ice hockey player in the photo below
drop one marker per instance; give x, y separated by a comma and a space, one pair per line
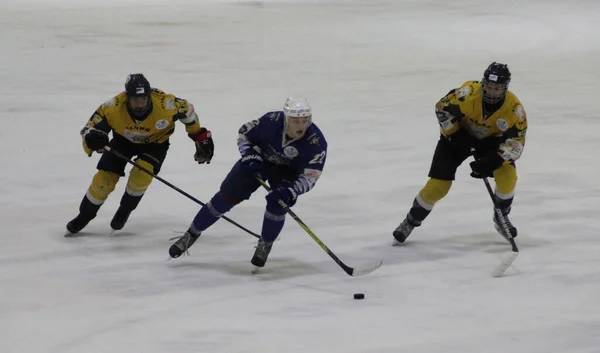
487, 117
283, 147
141, 119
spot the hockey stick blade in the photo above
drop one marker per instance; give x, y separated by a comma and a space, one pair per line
363, 271
505, 264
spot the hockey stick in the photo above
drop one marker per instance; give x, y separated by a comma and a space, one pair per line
349, 270
500, 269
108, 149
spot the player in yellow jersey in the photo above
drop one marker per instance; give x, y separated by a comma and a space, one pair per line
141, 120
484, 116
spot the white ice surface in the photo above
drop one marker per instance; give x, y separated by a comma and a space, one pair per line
372, 69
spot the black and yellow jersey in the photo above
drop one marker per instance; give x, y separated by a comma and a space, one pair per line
156, 128
462, 108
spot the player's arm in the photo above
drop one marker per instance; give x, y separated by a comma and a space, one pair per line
95, 133
187, 116
513, 139
202, 137
448, 113
249, 135
312, 170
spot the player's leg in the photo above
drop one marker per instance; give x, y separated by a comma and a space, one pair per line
237, 186
274, 216
506, 182
110, 169
447, 157
151, 158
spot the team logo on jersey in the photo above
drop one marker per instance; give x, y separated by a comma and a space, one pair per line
161, 124
290, 151
502, 124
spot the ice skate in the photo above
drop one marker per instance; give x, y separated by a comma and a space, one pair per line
260, 255
120, 218
511, 228
77, 224
182, 244
402, 232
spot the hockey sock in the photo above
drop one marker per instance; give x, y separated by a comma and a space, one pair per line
210, 213
273, 222
417, 212
88, 208
504, 204
130, 202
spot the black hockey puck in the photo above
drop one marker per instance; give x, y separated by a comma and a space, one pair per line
359, 296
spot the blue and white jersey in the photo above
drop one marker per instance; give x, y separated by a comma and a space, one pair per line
304, 156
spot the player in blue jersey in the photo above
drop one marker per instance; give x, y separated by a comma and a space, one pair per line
284, 148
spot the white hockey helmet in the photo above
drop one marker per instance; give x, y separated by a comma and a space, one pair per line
298, 116
297, 107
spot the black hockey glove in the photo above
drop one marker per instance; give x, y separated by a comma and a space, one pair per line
485, 165
205, 148
252, 163
95, 139
283, 193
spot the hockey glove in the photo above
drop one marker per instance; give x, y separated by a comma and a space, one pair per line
95, 139
252, 163
205, 148
283, 193
484, 167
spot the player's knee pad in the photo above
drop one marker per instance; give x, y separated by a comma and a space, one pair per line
139, 180
506, 180
102, 185
434, 190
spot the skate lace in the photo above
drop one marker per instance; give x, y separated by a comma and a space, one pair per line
507, 222
405, 227
262, 250
182, 243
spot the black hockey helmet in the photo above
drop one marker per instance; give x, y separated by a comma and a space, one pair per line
495, 83
136, 86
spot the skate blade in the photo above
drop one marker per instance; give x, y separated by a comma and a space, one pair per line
255, 270
395, 242
69, 234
